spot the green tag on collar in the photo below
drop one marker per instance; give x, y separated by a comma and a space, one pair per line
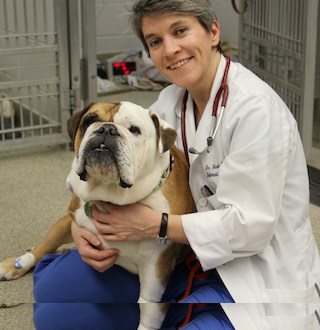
87, 209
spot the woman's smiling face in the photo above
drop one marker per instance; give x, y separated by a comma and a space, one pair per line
181, 48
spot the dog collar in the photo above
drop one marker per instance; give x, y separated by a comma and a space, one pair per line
165, 174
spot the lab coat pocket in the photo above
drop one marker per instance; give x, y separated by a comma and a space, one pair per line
208, 200
309, 322
308, 295
213, 201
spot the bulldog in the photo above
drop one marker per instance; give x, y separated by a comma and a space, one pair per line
123, 154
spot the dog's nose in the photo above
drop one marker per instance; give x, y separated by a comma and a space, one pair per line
107, 129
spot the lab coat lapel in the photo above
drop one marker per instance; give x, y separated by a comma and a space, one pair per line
190, 129
199, 138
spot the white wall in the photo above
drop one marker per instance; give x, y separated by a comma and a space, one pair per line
229, 21
114, 32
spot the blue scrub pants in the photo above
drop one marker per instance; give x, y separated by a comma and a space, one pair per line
70, 294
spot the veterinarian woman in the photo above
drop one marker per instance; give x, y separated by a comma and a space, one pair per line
248, 176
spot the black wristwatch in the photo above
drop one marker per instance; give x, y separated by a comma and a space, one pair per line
162, 237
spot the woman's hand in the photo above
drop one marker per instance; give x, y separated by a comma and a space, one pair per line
134, 222
87, 244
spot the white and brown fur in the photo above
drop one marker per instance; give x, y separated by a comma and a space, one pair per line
151, 261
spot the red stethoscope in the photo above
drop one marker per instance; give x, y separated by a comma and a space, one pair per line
223, 90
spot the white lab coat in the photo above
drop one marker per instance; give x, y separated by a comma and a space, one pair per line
255, 228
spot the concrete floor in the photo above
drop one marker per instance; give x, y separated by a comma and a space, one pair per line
34, 196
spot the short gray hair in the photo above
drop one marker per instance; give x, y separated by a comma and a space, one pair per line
202, 10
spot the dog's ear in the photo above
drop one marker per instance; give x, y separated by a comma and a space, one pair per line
74, 121
166, 136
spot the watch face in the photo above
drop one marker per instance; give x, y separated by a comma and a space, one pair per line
162, 240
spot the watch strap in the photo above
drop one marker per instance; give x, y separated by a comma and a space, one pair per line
162, 237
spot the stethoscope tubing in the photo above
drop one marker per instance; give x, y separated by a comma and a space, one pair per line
222, 92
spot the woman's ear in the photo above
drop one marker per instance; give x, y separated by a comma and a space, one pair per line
215, 33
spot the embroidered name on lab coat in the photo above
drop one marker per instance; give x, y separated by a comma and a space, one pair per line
212, 170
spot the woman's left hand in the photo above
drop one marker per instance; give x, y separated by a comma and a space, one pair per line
134, 222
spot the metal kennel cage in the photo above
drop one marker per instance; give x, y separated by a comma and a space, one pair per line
278, 41
45, 57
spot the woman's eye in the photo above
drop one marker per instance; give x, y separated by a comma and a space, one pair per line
154, 43
181, 31
135, 130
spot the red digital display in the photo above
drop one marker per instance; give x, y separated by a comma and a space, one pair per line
123, 68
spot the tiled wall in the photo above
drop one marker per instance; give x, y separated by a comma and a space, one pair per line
114, 32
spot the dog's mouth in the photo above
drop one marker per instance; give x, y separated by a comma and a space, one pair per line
104, 160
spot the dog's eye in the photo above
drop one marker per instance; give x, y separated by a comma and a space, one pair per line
135, 130
87, 121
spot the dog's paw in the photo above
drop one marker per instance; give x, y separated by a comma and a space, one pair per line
8, 271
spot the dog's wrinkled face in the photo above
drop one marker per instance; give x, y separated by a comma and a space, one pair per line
117, 143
